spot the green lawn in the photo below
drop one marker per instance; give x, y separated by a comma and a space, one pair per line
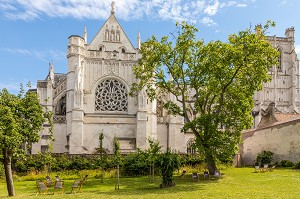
234, 183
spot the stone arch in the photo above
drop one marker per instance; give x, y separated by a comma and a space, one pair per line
111, 95
102, 48
61, 105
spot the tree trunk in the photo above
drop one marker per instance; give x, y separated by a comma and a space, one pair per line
8, 173
211, 165
118, 177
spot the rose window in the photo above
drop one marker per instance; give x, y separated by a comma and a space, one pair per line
111, 95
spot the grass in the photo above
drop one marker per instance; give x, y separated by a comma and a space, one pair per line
234, 183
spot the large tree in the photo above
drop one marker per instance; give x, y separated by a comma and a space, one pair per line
21, 118
212, 83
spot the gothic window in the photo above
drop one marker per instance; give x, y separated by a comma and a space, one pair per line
118, 35
106, 35
112, 35
279, 67
111, 95
60, 108
190, 146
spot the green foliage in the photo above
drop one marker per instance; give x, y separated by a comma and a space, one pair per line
264, 157
192, 160
135, 164
286, 163
21, 119
206, 80
297, 165
168, 162
117, 151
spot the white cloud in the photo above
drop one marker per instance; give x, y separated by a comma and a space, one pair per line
44, 55
175, 10
212, 9
207, 21
284, 2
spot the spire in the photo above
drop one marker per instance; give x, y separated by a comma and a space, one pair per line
139, 41
51, 72
112, 8
85, 34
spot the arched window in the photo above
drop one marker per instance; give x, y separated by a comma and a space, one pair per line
190, 146
106, 35
279, 66
118, 35
111, 95
112, 35
60, 108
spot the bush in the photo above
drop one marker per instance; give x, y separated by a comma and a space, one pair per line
192, 160
297, 165
168, 162
286, 163
264, 157
135, 164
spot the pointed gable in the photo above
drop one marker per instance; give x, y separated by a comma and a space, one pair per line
112, 37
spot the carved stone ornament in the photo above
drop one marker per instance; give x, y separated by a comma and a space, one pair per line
111, 95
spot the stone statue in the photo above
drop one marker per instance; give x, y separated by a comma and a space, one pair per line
112, 7
78, 83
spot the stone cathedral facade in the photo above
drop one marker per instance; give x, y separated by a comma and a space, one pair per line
92, 97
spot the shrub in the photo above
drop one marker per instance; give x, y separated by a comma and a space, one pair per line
168, 162
135, 164
286, 163
297, 165
264, 157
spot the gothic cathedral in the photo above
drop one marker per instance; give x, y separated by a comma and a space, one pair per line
93, 97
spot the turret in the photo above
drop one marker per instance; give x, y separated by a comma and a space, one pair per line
290, 33
51, 72
85, 35
139, 41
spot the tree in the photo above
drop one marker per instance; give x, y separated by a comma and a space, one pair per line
153, 152
168, 162
212, 83
21, 118
117, 159
101, 158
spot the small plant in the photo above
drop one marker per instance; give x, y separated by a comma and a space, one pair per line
264, 157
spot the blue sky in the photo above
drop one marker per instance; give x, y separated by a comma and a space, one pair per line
35, 32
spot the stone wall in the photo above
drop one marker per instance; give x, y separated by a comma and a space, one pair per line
283, 139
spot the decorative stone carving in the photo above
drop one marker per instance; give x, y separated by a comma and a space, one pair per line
60, 88
111, 95
59, 119
78, 84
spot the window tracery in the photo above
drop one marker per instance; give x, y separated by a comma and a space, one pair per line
111, 95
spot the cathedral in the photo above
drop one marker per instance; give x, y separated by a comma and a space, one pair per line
93, 96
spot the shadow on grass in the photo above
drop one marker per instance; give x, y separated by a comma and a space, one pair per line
142, 186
